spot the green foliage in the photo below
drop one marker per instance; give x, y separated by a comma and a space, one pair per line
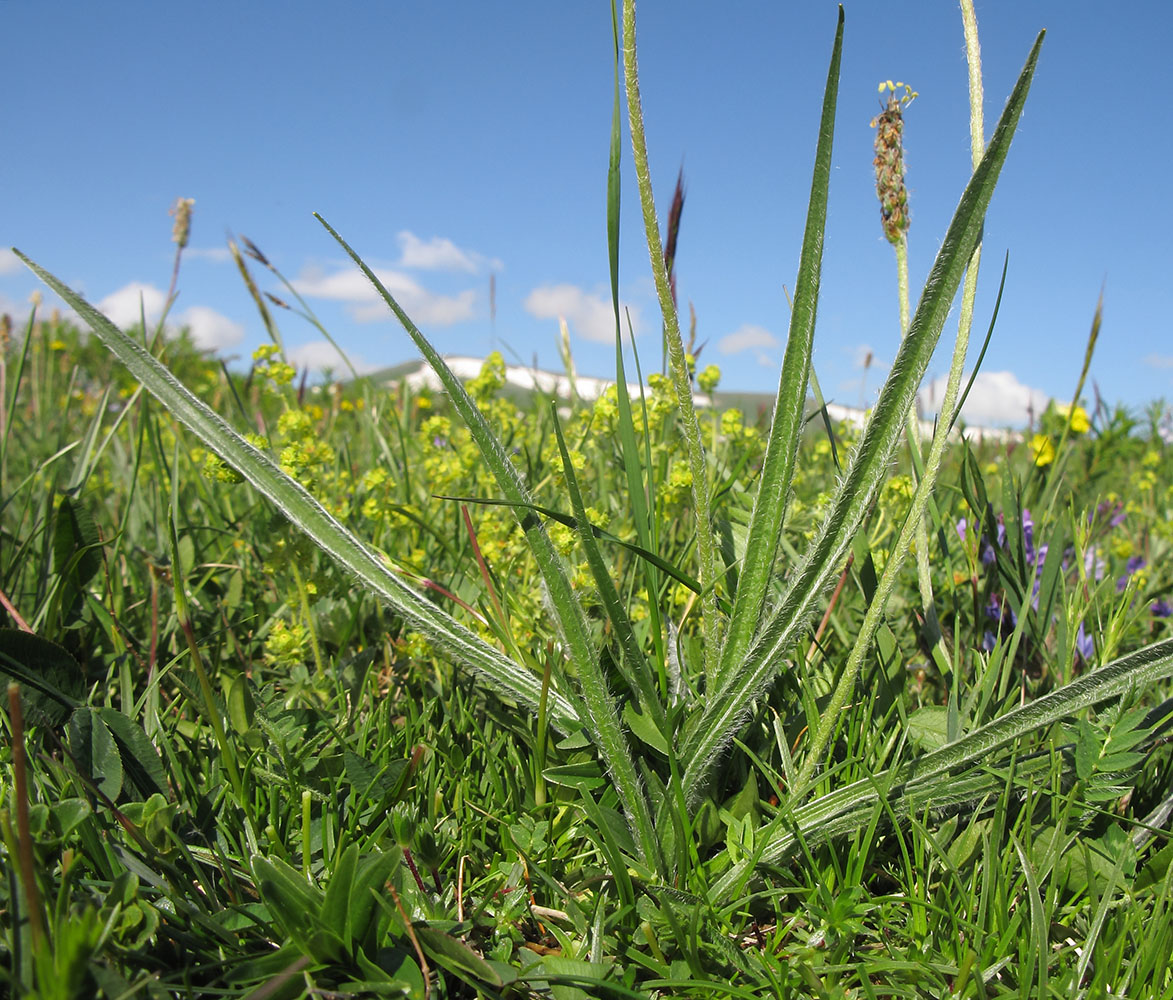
351, 689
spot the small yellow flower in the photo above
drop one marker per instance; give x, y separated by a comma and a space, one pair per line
1080, 424
374, 478
732, 421
1042, 450
295, 424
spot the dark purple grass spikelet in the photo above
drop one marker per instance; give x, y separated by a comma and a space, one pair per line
673, 231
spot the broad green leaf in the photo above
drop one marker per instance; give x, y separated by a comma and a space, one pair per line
457, 958
369, 883
928, 727
240, 704
101, 752
51, 680
336, 903
139, 757
645, 729
77, 550
585, 776
68, 813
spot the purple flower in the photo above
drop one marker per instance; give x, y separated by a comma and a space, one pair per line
1161, 608
986, 552
998, 611
1085, 646
1135, 563
988, 555
1116, 510
1034, 557
1028, 535
1092, 565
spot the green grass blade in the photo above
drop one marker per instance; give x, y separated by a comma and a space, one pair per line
637, 669
658, 562
933, 779
600, 714
868, 467
765, 525
628, 785
641, 499
306, 514
702, 502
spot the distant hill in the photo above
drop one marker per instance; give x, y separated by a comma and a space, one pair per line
522, 382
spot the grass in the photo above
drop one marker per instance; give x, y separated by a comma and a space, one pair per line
342, 690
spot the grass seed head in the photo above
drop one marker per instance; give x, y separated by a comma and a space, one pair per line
889, 161
181, 231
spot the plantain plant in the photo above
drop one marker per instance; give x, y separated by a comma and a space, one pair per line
669, 700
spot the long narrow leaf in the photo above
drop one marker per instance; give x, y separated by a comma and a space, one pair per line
635, 664
933, 780
726, 711
765, 526
307, 515
641, 499
658, 562
694, 448
599, 712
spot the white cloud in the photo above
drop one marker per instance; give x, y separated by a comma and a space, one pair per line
997, 399
318, 355
746, 337
364, 304
440, 254
210, 330
1158, 361
589, 316
10, 263
126, 307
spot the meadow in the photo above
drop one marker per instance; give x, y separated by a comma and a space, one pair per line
344, 689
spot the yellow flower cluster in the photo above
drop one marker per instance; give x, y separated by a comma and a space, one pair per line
273, 372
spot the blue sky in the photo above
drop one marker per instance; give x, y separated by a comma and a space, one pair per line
453, 141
